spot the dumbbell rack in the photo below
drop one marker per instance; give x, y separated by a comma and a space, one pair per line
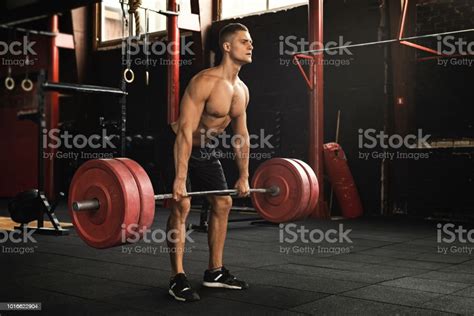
42, 87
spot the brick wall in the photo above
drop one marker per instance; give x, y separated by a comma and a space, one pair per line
442, 184
435, 16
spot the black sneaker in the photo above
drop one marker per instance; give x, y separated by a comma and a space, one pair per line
223, 279
181, 290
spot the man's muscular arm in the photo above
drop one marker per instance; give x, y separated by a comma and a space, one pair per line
242, 148
192, 105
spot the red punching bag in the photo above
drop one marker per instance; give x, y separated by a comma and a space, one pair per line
342, 181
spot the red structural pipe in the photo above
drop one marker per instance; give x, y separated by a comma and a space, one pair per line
402, 20
420, 47
316, 102
309, 80
174, 60
52, 108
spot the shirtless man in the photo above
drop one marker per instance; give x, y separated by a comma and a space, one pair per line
214, 98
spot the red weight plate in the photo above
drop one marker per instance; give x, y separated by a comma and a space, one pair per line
294, 194
113, 185
147, 196
314, 188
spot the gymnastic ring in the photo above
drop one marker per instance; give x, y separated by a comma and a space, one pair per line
125, 75
27, 84
9, 83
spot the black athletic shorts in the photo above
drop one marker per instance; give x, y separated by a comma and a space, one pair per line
204, 169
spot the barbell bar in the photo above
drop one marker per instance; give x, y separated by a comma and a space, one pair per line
111, 200
94, 204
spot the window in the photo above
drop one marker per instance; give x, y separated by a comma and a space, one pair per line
275, 4
111, 16
234, 8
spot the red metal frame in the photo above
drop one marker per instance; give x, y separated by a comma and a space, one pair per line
52, 109
310, 80
403, 18
402, 30
315, 83
417, 46
420, 47
173, 67
316, 103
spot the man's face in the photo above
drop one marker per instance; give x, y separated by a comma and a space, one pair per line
240, 47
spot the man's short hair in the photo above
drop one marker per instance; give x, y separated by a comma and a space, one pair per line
230, 29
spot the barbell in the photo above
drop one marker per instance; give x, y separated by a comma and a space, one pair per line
111, 200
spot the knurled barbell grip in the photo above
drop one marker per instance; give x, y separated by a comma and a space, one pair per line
271, 190
94, 204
